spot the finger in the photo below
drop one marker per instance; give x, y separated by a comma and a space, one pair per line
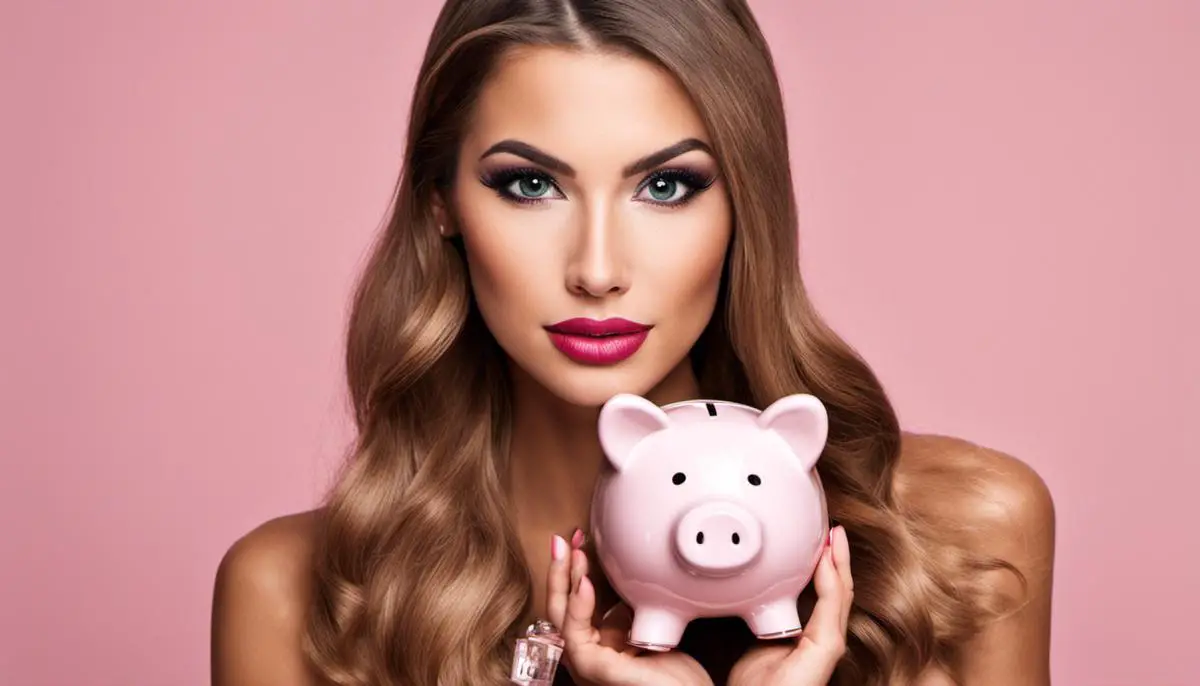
841, 562
824, 638
589, 660
577, 629
826, 614
577, 637
558, 582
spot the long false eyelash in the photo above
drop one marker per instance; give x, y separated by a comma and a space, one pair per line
698, 182
499, 179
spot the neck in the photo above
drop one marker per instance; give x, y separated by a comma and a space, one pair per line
555, 455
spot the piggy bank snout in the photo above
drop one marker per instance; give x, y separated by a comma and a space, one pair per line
718, 539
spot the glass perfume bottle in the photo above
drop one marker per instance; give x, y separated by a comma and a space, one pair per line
536, 656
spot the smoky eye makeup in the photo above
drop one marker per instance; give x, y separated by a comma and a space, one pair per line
669, 186
675, 186
521, 184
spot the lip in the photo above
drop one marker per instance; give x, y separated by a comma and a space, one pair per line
598, 342
597, 327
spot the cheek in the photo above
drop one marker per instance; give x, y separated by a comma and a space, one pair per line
686, 268
506, 267
492, 262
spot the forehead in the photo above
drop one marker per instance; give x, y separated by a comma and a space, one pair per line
578, 104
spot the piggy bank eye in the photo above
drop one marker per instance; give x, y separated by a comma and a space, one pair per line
754, 480
679, 478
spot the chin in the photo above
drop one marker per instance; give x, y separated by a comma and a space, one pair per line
591, 387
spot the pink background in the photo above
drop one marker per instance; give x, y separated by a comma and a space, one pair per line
999, 208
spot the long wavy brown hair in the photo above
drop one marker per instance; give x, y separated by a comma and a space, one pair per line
419, 575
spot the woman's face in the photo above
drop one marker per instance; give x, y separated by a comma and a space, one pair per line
594, 218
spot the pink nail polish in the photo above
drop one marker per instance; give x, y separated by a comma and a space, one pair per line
829, 539
558, 548
577, 538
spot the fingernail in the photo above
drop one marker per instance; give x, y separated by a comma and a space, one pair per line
829, 538
558, 548
577, 538
609, 611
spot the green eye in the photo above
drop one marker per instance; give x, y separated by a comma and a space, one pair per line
673, 187
532, 186
662, 189
521, 185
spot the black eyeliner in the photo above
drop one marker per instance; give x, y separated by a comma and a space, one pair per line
696, 181
499, 179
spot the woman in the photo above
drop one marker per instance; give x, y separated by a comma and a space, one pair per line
569, 163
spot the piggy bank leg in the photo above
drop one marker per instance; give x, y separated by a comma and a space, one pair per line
779, 619
656, 629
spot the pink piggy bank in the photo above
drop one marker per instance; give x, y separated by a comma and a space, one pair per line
711, 509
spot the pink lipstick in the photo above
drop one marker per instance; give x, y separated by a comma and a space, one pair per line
598, 342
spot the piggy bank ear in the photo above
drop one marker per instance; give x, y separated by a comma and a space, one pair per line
624, 421
802, 422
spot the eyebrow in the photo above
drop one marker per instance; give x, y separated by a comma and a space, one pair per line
529, 152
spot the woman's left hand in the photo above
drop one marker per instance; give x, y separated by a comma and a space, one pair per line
599, 656
810, 659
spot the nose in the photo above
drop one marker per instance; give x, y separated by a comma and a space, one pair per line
718, 539
597, 267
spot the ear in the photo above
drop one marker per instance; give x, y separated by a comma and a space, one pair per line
443, 221
624, 421
802, 422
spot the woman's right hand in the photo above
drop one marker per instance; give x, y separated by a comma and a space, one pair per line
600, 656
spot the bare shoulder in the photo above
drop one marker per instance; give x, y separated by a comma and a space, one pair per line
260, 598
1003, 505
998, 508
